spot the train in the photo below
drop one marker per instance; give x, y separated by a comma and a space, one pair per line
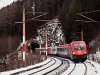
76, 51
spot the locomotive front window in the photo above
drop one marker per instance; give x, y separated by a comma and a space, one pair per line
78, 46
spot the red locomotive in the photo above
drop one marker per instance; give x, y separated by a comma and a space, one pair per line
76, 50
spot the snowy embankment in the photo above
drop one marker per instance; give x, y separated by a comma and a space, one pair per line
93, 68
25, 68
37, 69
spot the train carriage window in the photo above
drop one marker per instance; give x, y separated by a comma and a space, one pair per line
78, 46
60, 49
53, 49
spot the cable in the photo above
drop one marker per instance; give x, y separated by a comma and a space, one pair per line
88, 18
37, 17
90, 12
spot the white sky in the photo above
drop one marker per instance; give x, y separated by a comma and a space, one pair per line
4, 3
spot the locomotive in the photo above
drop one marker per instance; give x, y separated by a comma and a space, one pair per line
76, 51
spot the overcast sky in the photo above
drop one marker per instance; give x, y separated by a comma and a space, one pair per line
4, 3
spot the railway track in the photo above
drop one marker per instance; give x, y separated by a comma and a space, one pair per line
60, 69
40, 68
57, 70
36, 67
60, 66
44, 68
85, 73
75, 66
55, 66
76, 69
72, 70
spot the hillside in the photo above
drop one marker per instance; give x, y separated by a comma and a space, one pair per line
11, 33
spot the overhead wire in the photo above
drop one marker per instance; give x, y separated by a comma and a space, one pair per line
91, 20
90, 12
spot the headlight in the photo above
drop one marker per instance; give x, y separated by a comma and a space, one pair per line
73, 53
85, 52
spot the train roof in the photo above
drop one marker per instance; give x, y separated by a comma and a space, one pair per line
63, 45
77, 42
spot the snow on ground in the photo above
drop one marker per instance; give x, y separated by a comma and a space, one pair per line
25, 68
79, 69
93, 68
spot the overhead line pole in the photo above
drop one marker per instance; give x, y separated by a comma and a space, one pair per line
24, 45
